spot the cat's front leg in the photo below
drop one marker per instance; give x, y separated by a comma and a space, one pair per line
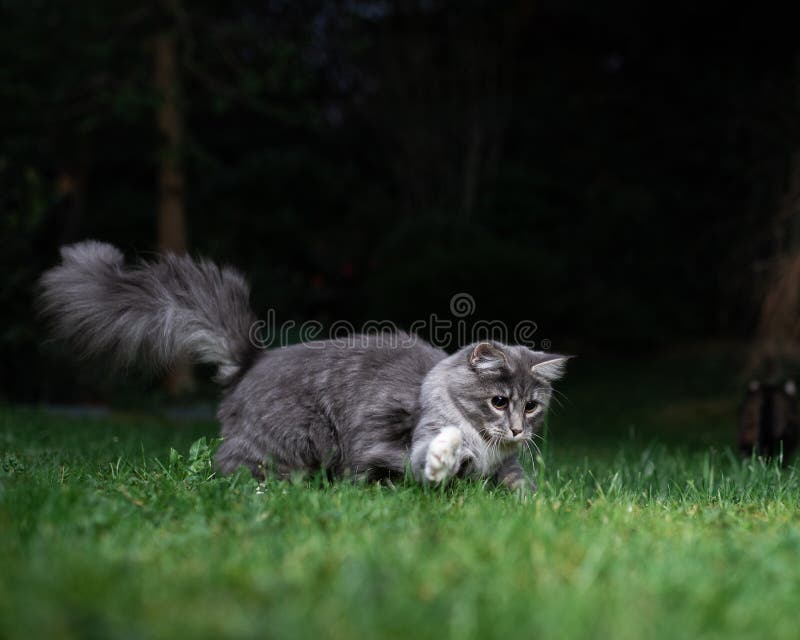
443, 457
438, 458
513, 476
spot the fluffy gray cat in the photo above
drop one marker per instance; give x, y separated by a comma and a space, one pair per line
372, 408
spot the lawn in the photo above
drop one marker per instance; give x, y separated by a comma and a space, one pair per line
645, 525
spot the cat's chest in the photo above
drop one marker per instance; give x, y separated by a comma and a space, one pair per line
481, 459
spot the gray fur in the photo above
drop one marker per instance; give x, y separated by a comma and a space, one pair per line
457, 392
370, 408
153, 313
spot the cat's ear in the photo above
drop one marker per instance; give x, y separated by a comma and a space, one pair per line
552, 366
487, 357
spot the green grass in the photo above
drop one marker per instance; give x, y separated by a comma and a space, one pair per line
645, 525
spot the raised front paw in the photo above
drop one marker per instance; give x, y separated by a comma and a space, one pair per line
442, 459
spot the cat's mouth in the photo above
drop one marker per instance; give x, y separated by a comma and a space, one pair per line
508, 440
505, 440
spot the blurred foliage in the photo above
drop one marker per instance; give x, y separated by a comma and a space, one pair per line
608, 172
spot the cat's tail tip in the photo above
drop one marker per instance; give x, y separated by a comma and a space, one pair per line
91, 253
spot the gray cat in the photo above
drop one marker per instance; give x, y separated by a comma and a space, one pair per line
371, 407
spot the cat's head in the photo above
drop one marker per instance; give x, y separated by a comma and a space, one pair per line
503, 391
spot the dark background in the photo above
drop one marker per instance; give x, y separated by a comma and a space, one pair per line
624, 174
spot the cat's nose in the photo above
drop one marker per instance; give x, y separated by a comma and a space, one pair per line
516, 429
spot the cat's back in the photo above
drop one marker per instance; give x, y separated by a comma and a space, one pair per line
356, 371
344, 404
355, 353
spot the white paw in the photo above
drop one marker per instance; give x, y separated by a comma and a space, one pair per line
442, 459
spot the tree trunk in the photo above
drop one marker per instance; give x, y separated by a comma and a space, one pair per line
778, 330
171, 198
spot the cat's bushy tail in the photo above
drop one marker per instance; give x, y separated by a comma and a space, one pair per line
152, 313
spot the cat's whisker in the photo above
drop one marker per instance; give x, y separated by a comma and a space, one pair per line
530, 441
533, 458
530, 453
560, 392
563, 396
495, 446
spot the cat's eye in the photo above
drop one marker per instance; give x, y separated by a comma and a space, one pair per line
530, 406
500, 402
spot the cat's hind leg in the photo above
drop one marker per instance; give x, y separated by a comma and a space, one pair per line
235, 452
